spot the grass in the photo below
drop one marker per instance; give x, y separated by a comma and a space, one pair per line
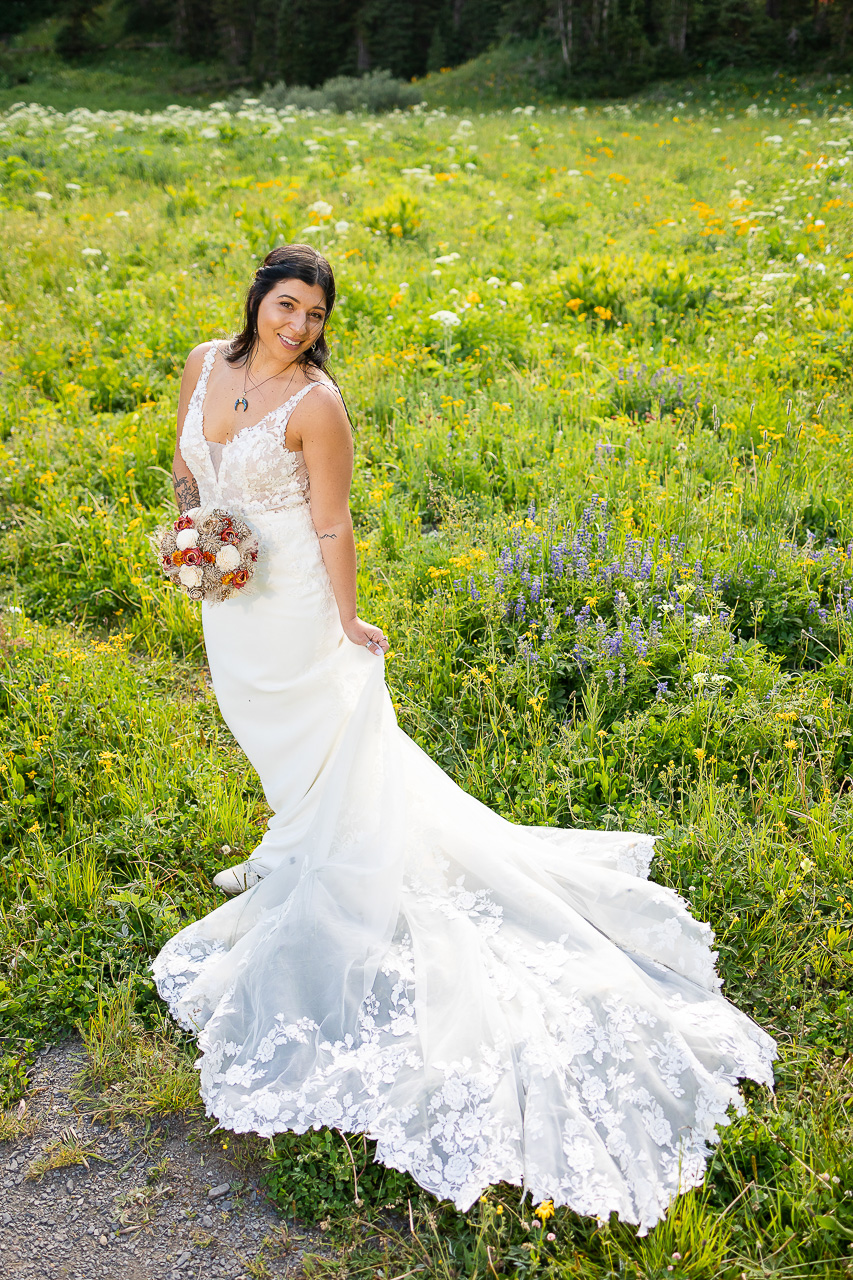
604, 518
61, 1153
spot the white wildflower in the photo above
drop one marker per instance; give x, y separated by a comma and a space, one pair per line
446, 318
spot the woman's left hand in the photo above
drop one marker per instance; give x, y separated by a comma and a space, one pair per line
373, 638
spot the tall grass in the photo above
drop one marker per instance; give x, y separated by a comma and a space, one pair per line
602, 510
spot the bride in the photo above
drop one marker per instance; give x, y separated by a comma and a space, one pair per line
488, 1001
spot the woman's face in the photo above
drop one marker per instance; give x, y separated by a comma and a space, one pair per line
290, 318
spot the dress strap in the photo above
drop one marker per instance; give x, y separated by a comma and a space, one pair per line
282, 414
201, 386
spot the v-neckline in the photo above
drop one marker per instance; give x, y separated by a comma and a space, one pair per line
252, 426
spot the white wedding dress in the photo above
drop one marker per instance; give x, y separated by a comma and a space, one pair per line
489, 1002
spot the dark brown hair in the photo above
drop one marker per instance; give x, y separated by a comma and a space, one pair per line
287, 262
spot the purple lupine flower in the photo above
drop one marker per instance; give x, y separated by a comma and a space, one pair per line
472, 590
609, 675
520, 607
661, 688
535, 589
622, 675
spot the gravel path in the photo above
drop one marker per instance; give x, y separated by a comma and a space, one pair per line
166, 1206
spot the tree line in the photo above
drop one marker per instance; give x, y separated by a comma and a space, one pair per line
620, 42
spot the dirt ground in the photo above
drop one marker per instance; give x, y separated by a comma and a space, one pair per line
156, 1202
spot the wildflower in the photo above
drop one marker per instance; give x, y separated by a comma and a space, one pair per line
574, 303
603, 313
35, 827
446, 318
321, 207
90, 253
699, 753
550, 1237
790, 744
545, 1210
42, 195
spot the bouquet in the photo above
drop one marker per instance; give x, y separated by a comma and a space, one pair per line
208, 556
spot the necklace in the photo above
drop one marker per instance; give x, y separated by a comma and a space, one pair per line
241, 400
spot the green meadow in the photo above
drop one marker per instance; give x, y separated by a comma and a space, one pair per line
598, 360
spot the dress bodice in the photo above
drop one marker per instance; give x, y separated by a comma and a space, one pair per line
252, 472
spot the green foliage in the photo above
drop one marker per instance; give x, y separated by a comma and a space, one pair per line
376, 91
604, 518
325, 1174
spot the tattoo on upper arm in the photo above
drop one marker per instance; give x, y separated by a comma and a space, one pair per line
186, 492
326, 535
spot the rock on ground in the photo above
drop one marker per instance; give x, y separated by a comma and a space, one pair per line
143, 1210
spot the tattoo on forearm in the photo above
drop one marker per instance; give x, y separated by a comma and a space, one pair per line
326, 535
186, 492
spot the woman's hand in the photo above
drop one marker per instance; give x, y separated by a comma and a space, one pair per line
371, 637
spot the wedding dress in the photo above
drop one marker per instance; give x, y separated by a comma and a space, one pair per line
488, 1001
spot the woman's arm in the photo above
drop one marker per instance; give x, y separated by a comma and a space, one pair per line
326, 442
186, 489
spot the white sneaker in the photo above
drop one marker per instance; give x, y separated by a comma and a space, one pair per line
236, 879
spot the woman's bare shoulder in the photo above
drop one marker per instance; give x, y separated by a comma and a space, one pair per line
195, 359
331, 394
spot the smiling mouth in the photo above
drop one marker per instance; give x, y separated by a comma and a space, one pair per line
291, 346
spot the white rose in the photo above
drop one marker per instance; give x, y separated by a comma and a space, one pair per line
186, 538
227, 558
190, 575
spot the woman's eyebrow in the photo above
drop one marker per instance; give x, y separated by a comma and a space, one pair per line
318, 307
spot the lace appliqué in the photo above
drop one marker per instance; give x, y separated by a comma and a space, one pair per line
257, 473
458, 1125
